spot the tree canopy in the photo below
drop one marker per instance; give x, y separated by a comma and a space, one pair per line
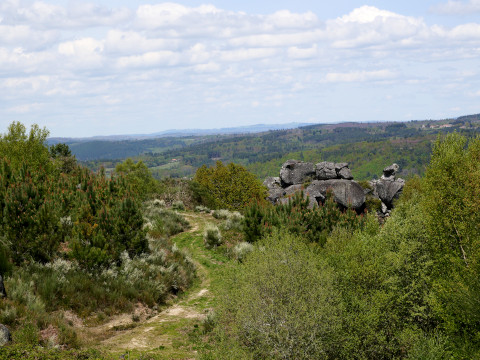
232, 186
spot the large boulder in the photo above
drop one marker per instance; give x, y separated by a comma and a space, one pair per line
325, 171
5, 336
290, 191
294, 172
388, 190
275, 190
346, 192
390, 171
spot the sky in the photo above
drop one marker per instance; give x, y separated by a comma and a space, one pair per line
108, 67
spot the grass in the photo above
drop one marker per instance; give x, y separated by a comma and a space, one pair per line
177, 332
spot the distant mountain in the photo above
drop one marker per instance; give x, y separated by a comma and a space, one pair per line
186, 132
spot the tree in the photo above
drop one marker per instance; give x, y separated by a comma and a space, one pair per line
19, 147
138, 175
232, 187
451, 204
62, 157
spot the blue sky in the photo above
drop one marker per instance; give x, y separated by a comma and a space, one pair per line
121, 67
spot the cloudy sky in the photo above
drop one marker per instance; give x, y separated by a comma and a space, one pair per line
134, 66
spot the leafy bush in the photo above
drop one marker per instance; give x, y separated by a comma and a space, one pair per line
234, 221
281, 303
296, 217
241, 250
202, 209
212, 237
232, 187
166, 223
221, 214
178, 205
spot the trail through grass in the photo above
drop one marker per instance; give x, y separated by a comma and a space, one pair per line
175, 332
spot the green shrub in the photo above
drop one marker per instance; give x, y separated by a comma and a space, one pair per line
167, 223
27, 334
212, 237
8, 315
296, 217
234, 221
178, 205
202, 209
241, 250
232, 187
281, 303
221, 214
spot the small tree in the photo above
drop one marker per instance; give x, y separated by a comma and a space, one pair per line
232, 187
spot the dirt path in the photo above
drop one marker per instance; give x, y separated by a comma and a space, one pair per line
166, 335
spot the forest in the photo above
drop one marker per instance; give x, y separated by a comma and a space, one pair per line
125, 265
408, 144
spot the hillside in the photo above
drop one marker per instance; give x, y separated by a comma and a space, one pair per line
407, 143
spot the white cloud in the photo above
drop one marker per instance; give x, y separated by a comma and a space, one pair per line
247, 54
131, 42
369, 26
150, 59
295, 52
42, 15
117, 55
360, 76
457, 7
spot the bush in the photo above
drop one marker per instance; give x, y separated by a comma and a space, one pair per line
221, 214
296, 217
234, 221
202, 209
212, 237
178, 205
232, 187
241, 250
166, 223
281, 303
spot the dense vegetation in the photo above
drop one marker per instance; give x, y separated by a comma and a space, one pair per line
409, 289
71, 239
298, 283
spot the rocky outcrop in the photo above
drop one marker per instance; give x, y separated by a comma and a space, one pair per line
346, 192
294, 172
316, 180
388, 187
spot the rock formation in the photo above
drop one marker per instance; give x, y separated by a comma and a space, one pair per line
388, 187
316, 180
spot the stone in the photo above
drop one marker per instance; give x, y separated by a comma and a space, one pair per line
275, 190
325, 171
274, 195
390, 171
346, 192
340, 166
388, 190
292, 190
272, 182
5, 336
345, 173
384, 208
294, 172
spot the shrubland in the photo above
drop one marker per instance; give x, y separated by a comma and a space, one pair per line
406, 289
301, 283
74, 240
